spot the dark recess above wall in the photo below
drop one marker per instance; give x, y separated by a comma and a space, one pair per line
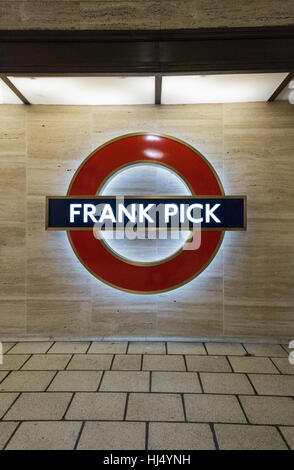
147, 52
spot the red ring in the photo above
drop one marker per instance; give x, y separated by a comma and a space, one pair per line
185, 160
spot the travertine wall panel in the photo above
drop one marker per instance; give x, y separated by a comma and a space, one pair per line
248, 289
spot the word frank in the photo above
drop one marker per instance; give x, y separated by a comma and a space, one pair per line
214, 212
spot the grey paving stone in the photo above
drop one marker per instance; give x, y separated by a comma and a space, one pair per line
185, 348
126, 362
274, 350
90, 362
288, 433
112, 436
6, 399
26, 381
6, 429
76, 381
47, 362
146, 347
180, 436
234, 349
3, 375
155, 407
283, 364
69, 347
13, 362
164, 363
102, 406
208, 364
269, 410
6, 346
225, 383
244, 437
108, 347
125, 381
213, 408
48, 435
180, 382
39, 406
31, 347
273, 384
261, 365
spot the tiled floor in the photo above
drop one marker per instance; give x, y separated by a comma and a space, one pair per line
146, 395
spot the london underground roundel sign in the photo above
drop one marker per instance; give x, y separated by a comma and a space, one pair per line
77, 212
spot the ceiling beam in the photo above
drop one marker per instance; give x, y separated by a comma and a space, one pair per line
147, 52
158, 88
14, 89
281, 87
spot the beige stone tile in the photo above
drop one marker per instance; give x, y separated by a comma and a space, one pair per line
6, 429
288, 433
185, 348
49, 435
6, 400
253, 364
13, 319
12, 254
195, 310
53, 274
235, 349
50, 317
225, 383
69, 347
213, 408
112, 436
166, 363
6, 347
114, 313
90, 362
126, 362
273, 384
44, 178
269, 410
269, 286
55, 137
13, 362
76, 380
102, 406
12, 191
126, 15
124, 120
274, 350
283, 364
244, 437
240, 316
54, 14
155, 407
200, 14
146, 347
125, 381
108, 347
39, 406
26, 381
208, 364
180, 382
12, 133
46, 362
180, 436
31, 347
